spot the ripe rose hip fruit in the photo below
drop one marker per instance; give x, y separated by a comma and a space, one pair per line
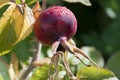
55, 26
54, 23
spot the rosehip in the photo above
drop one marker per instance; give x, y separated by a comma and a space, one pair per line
54, 23
55, 26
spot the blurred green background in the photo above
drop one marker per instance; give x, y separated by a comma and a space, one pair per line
98, 25
98, 28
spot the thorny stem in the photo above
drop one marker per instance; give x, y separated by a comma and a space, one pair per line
34, 58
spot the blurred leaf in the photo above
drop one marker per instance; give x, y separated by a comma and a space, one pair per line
113, 5
27, 24
61, 75
52, 1
40, 73
23, 50
1, 78
94, 73
30, 2
66, 78
18, 1
108, 42
3, 1
94, 54
15, 26
111, 36
6, 58
7, 35
85, 2
114, 65
4, 72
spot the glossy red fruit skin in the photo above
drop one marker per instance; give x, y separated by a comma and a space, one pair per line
54, 23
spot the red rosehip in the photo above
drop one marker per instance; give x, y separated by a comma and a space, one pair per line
54, 23
54, 27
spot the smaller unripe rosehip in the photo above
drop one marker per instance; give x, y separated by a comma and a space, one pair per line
54, 23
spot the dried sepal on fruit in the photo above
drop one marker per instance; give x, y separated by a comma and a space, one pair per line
55, 27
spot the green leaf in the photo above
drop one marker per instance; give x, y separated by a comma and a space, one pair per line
85, 2
1, 78
23, 49
18, 1
52, 1
15, 26
27, 24
4, 75
114, 65
94, 73
61, 75
6, 58
30, 2
3, 9
94, 54
40, 73
7, 33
